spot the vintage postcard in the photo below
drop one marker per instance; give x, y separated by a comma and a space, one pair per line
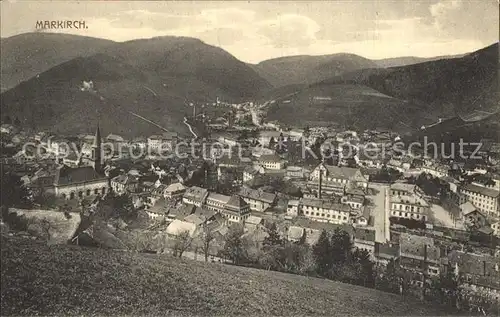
250, 158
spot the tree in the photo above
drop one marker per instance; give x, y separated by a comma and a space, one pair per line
273, 237
46, 227
142, 241
445, 289
360, 264
7, 120
182, 243
17, 122
273, 257
13, 191
321, 254
389, 280
207, 239
272, 143
123, 206
233, 245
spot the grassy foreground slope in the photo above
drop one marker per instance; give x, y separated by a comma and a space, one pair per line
68, 280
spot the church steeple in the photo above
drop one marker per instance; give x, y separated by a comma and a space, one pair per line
97, 139
97, 151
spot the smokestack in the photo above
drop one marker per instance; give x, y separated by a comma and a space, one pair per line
320, 185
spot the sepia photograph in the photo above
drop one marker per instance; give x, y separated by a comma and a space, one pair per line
252, 158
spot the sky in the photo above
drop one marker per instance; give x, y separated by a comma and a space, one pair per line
253, 31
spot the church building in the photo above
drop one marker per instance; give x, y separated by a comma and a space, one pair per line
83, 181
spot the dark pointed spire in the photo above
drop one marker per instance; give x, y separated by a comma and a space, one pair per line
97, 139
97, 151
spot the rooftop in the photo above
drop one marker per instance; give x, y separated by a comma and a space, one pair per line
467, 208
325, 204
257, 195
270, 158
348, 173
66, 175
218, 198
410, 188
254, 220
412, 200
236, 203
364, 234
481, 190
295, 233
175, 187
195, 193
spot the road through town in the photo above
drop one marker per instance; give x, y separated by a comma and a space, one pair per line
380, 212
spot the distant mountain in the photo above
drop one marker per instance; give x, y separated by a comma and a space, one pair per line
409, 60
304, 69
349, 106
451, 86
189, 59
26, 55
154, 78
401, 98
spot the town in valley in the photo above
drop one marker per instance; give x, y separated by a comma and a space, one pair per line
150, 173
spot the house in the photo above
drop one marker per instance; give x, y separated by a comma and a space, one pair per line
253, 222
294, 172
249, 173
23, 157
236, 210
79, 182
453, 184
175, 190
178, 227
114, 138
208, 216
266, 136
258, 151
228, 140
495, 226
180, 213
296, 134
257, 199
472, 216
385, 252
419, 254
398, 189
364, 239
335, 179
409, 207
124, 183
360, 220
293, 208
60, 147
325, 211
195, 196
271, 161
42, 180
436, 170
86, 150
313, 229
7, 128
355, 201
161, 143
485, 199
295, 234
216, 202
194, 219
159, 210
479, 274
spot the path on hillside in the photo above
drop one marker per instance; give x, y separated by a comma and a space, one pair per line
190, 128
